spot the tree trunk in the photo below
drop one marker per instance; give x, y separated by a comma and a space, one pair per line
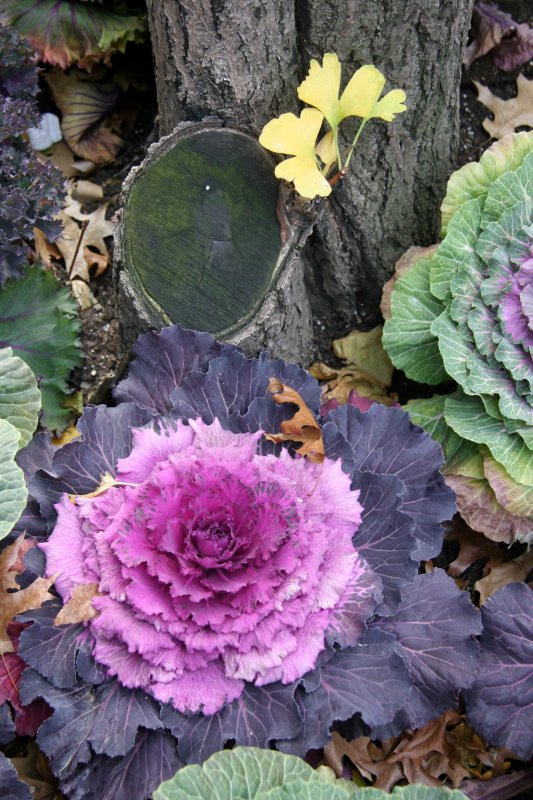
243, 60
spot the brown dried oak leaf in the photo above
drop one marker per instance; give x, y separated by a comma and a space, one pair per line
16, 602
446, 746
508, 114
79, 608
302, 427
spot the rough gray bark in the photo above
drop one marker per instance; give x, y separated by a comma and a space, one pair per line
243, 59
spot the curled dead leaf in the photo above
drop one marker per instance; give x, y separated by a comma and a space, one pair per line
364, 351
84, 103
47, 251
500, 575
473, 546
446, 746
302, 427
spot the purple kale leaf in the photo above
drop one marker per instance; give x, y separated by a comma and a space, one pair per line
12, 787
436, 626
500, 702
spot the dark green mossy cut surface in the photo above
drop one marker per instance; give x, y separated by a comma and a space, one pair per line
201, 232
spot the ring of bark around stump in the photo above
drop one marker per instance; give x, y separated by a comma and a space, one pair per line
200, 238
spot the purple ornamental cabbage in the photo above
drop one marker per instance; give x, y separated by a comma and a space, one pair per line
216, 565
244, 594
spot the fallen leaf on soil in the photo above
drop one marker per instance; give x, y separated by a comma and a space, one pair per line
82, 244
446, 746
47, 251
508, 114
344, 382
493, 29
63, 158
84, 103
12, 561
368, 372
16, 602
472, 547
302, 427
82, 294
403, 265
506, 572
86, 191
79, 608
364, 351
33, 769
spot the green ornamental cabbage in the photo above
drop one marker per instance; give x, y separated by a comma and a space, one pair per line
250, 773
20, 403
466, 312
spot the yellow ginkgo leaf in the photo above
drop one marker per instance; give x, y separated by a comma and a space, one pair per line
321, 87
393, 103
326, 152
361, 97
297, 136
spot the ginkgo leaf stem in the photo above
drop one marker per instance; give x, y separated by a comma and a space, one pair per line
337, 151
356, 138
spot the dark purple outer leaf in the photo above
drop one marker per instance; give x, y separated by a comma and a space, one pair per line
259, 716
12, 787
153, 759
106, 436
435, 625
37, 455
500, 702
384, 441
50, 650
107, 718
385, 538
7, 726
86, 667
505, 787
161, 362
370, 679
232, 382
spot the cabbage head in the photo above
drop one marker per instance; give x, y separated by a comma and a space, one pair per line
465, 312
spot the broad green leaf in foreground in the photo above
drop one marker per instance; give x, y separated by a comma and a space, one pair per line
38, 321
249, 773
13, 492
20, 398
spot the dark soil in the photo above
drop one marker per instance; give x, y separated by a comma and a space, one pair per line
104, 357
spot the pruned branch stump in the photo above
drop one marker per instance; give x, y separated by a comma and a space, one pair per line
206, 238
